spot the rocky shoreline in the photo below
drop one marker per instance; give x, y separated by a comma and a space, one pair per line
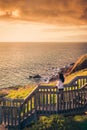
65, 70
80, 64
37, 78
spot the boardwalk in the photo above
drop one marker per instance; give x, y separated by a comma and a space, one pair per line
45, 100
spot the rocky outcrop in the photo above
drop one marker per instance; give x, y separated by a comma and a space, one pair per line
66, 70
80, 64
35, 76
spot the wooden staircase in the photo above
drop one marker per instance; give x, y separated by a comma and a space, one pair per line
45, 100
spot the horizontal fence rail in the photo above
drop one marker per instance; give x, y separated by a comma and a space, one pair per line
76, 83
11, 102
45, 100
50, 101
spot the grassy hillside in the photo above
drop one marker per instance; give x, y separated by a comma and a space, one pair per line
80, 64
73, 75
22, 92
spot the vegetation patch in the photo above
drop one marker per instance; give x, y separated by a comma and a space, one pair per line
56, 122
72, 76
21, 93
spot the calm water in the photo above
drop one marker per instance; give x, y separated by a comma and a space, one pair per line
19, 60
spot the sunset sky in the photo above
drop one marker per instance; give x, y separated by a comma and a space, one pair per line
43, 20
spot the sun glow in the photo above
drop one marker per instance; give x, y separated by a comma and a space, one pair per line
2, 13
33, 32
15, 13
11, 13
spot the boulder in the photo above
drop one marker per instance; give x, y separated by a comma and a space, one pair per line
35, 76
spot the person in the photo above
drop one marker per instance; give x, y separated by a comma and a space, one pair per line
60, 84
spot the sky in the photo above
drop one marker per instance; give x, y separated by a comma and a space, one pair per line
43, 20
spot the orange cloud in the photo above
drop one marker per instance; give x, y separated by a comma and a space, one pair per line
55, 11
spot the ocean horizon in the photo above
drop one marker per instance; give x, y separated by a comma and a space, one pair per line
19, 60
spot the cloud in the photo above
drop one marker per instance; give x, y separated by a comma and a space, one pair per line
51, 11
67, 29
84, 16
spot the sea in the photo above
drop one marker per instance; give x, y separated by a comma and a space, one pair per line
20, 60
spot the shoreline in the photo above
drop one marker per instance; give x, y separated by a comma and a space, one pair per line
67, 70
5, 91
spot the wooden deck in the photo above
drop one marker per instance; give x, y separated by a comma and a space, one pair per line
44, 100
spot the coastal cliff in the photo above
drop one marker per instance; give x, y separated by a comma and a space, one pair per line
80, 64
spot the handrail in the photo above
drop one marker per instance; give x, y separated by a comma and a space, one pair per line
46, 100
14, 100
30, 94
11, 102
73, 80
50, 87
84, 86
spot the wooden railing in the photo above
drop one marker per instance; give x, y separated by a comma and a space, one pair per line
46, 100
11, 102
76, 83
10, 109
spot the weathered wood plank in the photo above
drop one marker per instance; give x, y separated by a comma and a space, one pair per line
46, 101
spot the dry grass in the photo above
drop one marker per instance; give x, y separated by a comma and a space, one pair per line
72, 76
22, 92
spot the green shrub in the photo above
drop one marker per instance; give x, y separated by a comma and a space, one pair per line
56, 122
